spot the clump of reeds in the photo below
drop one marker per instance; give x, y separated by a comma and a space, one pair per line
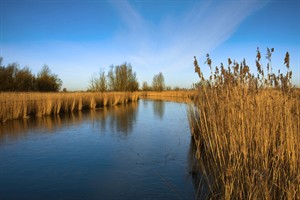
22, 105
246, 129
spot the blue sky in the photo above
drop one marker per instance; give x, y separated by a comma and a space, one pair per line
76, 38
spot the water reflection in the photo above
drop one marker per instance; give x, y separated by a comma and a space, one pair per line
119, 118
159, 108
145, 103
110, 153
17, 129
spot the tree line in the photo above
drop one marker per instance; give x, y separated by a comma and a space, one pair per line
15, 79
158, 84
122, 78
119, 78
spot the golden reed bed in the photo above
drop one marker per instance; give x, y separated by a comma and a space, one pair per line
185, 96
179, 93
248, 143
23, 105
246, 128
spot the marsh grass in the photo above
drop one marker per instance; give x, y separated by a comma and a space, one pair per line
247, 134
23, 105
184, 96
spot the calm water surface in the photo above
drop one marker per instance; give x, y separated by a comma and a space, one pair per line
137, 151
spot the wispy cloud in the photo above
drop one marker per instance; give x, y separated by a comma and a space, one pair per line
171, 43
131, 18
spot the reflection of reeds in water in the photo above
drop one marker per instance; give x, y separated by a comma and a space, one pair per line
22, 105
15, 129
120, 117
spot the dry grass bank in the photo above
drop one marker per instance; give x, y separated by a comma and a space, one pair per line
176, 96
22, 105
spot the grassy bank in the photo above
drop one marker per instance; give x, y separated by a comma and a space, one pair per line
247, 134
176, 96
22, 105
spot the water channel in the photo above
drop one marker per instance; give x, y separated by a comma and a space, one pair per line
141, 150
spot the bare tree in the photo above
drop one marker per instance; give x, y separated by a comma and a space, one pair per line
158, 83
98, 82
122, 78
146, 87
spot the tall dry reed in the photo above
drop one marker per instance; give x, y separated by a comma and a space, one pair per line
247, 134
22, 105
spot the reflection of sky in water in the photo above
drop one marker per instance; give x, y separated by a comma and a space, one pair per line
133, 151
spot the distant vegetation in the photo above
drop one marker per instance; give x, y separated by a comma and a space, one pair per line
14, 79
158, 83
246, 128
119, 78
122, 78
